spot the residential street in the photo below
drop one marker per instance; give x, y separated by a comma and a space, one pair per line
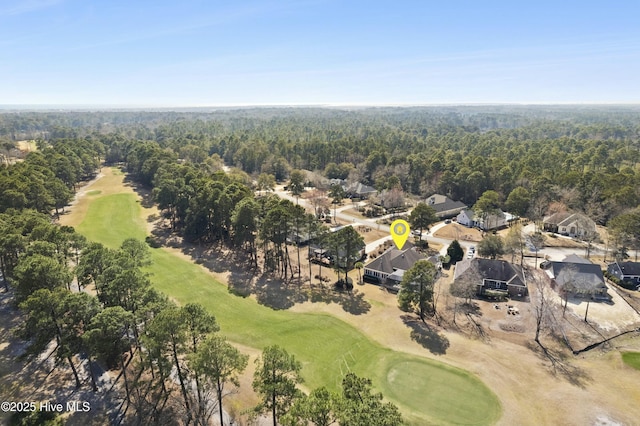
549, 253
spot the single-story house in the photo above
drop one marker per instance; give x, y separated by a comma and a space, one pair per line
359, 190
389, 268
493, 276
577, 279
469, 218
568, 223
444, 206
625, 271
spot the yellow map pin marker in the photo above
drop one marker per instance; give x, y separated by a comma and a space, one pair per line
400, 232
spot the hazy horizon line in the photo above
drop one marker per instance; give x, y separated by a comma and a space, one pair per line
98, 106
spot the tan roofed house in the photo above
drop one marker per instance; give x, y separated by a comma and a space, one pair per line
569, 223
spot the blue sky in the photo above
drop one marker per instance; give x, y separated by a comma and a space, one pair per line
335, 52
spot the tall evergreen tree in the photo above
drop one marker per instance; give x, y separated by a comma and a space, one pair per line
416, 288
275, 379
422, 217
220, 364
455, 252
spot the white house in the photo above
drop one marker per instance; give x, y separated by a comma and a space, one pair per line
465, 217
468, 218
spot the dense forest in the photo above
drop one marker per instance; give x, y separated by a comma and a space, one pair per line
535, 160
584, 157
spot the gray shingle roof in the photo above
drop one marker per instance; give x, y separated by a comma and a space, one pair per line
556, 218
359, 188
394, 259
584, 277
498, 270
574, 258
441, 203
630, 268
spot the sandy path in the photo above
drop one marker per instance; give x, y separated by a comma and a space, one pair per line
102, 185
599, 387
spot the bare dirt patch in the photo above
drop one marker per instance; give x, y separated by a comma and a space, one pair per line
611, 317
631, 297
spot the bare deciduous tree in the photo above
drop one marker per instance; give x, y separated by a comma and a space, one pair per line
465, 287
541, 300
514, 243
392, 199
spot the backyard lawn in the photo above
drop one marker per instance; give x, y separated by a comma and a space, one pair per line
426, 391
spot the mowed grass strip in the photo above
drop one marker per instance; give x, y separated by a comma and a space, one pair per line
426, 391
112, 219
632, 359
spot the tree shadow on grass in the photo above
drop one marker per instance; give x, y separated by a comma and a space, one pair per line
215, 259
471, 308
245, 279
276, 294
559, 364
143, 191
426, 336
352, 302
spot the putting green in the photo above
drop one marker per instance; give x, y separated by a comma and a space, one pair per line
426, 391
632, 359
418, 382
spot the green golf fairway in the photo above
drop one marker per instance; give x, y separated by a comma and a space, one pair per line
426, 391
